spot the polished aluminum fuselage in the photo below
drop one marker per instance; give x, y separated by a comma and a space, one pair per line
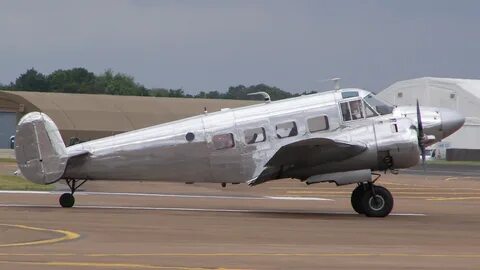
162, 152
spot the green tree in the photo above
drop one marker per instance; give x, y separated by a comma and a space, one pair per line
202, 94
32, 80
241, 92
176, 93
6, 86
119, 84
75, 80
80, 80
214, 94
159, 92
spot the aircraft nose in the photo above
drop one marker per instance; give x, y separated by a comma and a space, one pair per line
451, 121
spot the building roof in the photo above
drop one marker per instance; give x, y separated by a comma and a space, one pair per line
462, 95
469, 85
113, 114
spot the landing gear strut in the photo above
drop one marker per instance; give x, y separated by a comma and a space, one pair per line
372, 200
67, 200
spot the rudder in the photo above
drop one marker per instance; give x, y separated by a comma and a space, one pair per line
39, 149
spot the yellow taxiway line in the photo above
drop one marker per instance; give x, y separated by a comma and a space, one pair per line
67, 235
398, 192
109, 265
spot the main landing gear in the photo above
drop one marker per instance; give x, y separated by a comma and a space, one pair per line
67, 200
372, 200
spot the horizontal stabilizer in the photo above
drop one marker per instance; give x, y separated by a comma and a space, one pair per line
77, 153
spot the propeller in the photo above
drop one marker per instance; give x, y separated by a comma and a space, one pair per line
421, 135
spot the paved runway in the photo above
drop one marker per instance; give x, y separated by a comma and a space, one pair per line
279, 225
445, 169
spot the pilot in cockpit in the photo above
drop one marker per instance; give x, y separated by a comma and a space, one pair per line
356, 107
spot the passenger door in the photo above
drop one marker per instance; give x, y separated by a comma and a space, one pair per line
255, 137
224, 151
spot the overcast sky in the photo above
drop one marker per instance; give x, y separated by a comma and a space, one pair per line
210, 45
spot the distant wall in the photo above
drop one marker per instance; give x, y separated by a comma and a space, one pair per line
456, 154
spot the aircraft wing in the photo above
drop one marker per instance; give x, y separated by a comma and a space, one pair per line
308, 153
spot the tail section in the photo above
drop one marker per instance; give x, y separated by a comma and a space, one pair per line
40, 152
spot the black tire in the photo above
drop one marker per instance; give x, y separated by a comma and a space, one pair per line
67, 200
356, 198
380, 206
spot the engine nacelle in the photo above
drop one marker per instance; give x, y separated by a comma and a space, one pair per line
397, 144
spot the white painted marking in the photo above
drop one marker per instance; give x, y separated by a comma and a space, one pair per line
297, 198
408, 214
107, 207
169, 195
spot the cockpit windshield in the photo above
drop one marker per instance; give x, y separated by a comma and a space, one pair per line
378, 105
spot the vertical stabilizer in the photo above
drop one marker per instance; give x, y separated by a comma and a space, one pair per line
39, 149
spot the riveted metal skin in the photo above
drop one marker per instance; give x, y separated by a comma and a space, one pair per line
166, 153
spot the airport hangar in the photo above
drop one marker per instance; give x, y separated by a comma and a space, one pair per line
89, 116
461, 95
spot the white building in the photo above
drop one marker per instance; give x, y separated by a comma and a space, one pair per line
459, 94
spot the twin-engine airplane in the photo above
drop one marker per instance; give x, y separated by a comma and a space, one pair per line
340, 136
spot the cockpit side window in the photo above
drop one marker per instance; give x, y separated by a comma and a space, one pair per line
356, 109
352, 110
378, 105
345, 111
369, 112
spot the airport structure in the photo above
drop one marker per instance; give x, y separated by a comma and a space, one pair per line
461, 95
88, 116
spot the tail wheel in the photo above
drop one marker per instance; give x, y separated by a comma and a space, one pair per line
67, 200
356, 198
378, 203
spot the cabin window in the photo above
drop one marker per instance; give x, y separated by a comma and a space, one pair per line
223, 141
288, 129
255, 135
317, 123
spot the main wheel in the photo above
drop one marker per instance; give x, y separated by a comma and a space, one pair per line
379, 205
67, 200
356, 198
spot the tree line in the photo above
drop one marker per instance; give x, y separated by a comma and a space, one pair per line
80, 80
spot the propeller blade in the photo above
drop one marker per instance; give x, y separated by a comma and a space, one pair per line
421, 135
419, 121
